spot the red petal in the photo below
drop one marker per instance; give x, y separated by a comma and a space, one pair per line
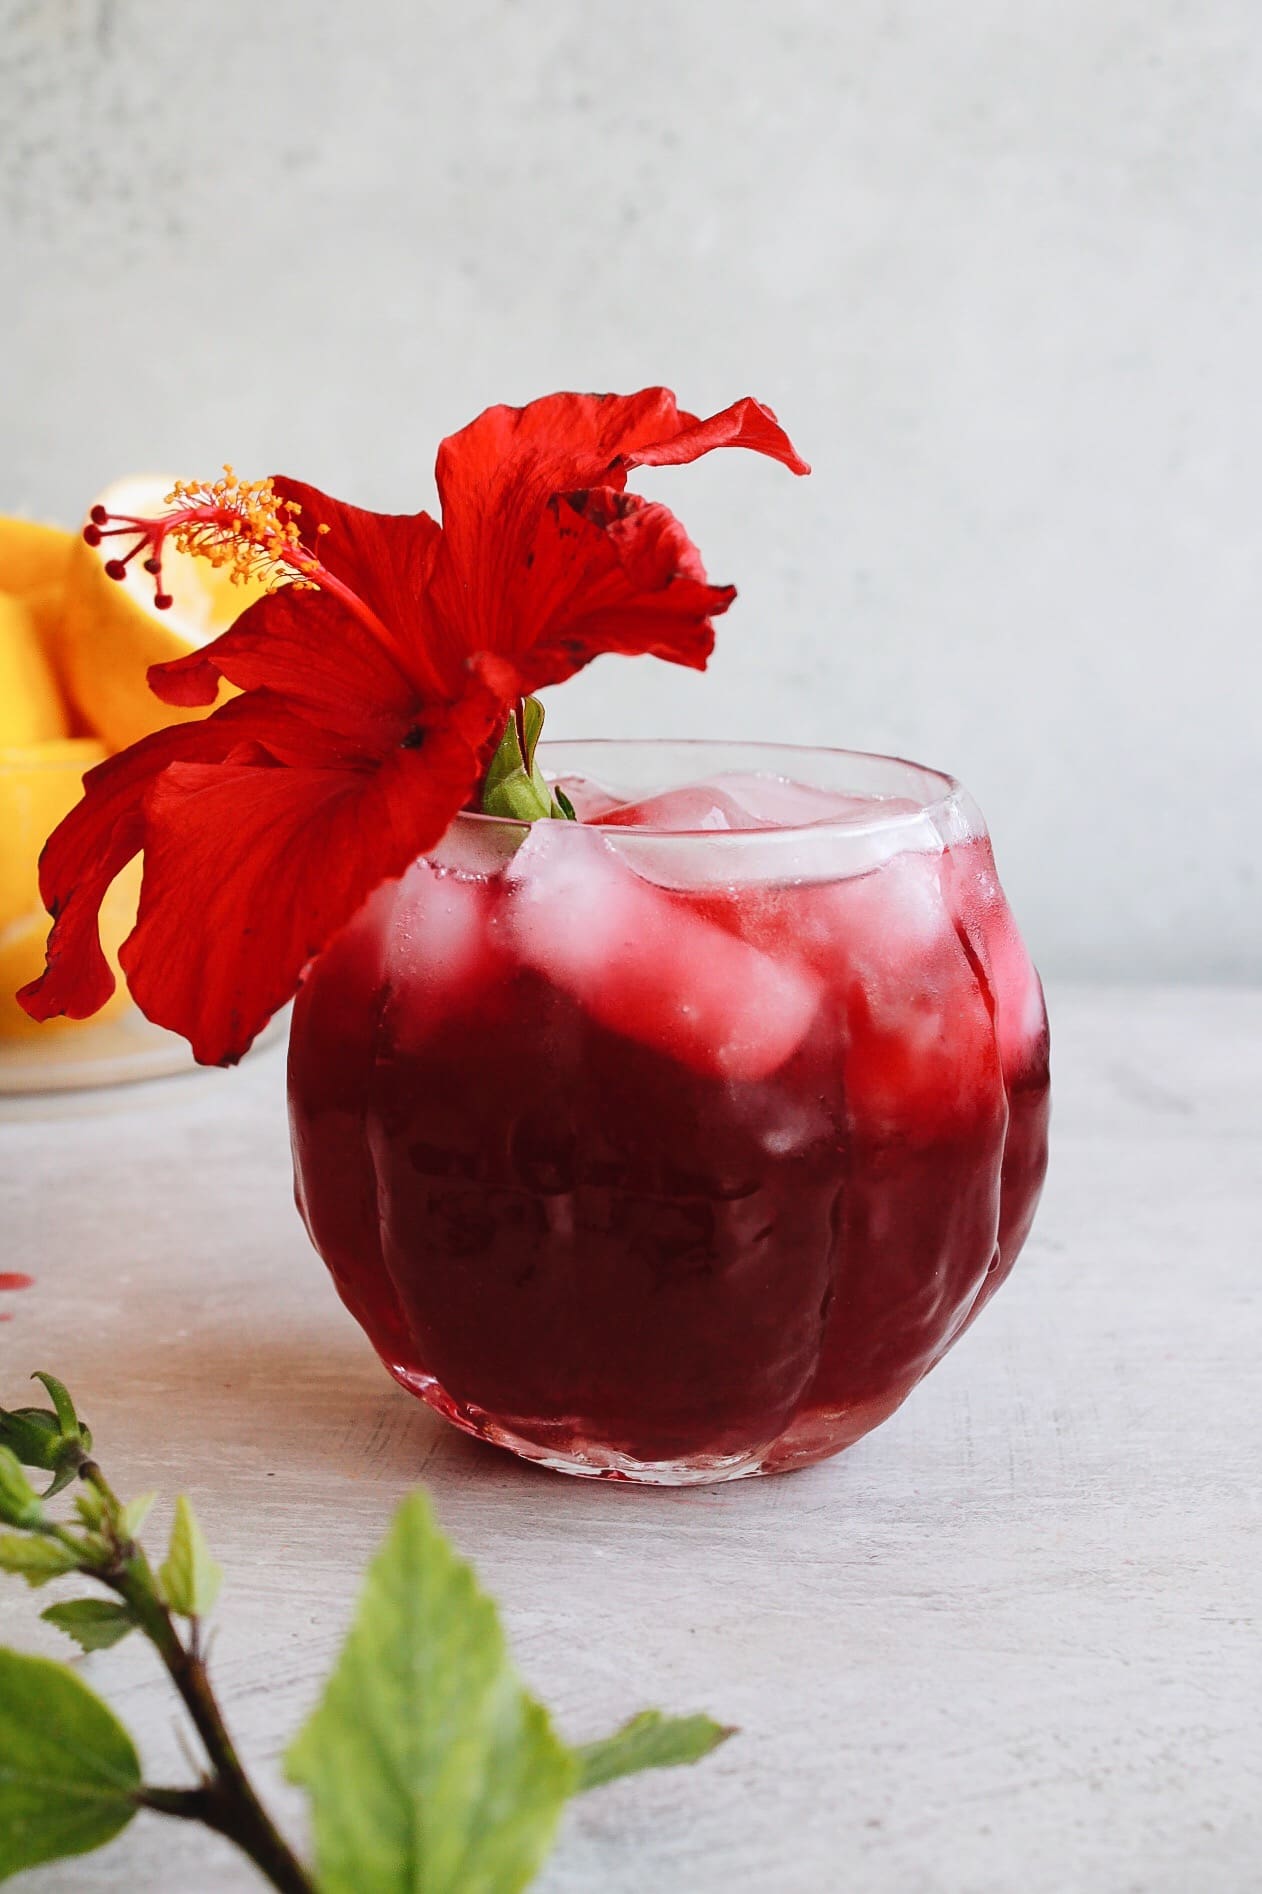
613, 573
308, 649
496, 477
222, 913
99, 836
385, 558
250, 871
747, 423
313, 646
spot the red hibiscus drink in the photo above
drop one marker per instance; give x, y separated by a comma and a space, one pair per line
663, 1112
678, 1142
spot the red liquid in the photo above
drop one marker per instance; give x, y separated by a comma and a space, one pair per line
709, 1197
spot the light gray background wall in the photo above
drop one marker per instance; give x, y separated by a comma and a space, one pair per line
997, 265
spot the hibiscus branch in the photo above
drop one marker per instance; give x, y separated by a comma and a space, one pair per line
225, 1801
71, 1777
109, 1553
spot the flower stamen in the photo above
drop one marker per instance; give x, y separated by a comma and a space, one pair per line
244, 526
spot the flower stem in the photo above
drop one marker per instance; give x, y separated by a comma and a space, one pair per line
227, 1802
211, 1804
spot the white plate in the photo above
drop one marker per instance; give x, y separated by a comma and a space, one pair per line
119, 1051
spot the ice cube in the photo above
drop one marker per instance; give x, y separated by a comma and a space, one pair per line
921, 1050
478, 844
767, 830
984, 915
645, 964
440, 950
895, 915
589, 799
692, 808
777, 802
1022, 1019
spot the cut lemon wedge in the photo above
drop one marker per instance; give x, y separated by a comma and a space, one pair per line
31, 706
39, 782
32, 555
111, 631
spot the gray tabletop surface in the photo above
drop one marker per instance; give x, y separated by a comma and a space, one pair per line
1010, 1641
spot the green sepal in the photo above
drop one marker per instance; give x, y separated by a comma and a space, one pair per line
94, 1623
69, 1772
532, 714
515, 786
650, 1740
507, 761
67, 1419
65, 1474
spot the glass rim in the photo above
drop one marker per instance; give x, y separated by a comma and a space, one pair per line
945, 792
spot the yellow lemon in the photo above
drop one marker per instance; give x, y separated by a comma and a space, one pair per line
32, 555
39, 783
33, 563
111, 631
31, 705
47, 607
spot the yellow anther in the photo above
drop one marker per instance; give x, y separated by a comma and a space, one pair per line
242, 525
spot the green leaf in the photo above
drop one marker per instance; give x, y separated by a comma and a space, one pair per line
93, 1623
134, 1514
564, 804
651, 1740
189, 1577
92, 1508
69, 1772
430, 1769
36, 1560
19, 1502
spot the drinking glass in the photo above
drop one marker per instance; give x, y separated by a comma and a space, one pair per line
678, 1143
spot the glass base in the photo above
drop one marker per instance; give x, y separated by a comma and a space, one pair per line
556, 1445
560, 1445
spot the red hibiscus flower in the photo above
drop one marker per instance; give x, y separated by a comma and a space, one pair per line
375, 680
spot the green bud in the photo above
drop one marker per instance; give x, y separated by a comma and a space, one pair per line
57, 1442
515, 786
33, 1436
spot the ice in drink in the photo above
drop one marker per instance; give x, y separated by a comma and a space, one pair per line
681, 1141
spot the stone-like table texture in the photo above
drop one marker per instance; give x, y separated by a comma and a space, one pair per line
1008, 1641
